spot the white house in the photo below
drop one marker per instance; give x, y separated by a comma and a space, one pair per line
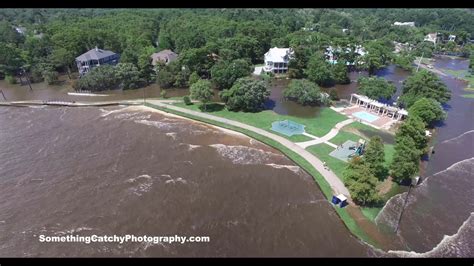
400, 47
276, 60
331, 53
409, 24
431, 37
452, 38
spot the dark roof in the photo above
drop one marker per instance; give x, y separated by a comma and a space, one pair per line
94, 54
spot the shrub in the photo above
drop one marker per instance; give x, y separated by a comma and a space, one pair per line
163, 94
187, 100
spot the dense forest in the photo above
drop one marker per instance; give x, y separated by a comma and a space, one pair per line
50, 39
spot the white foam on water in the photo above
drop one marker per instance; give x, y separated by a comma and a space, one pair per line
458, 166
172, 135
144, 184
244, 155
191, 146
105, 113
74, 230
458, 137
293, 168
177, 180
384, 216
157, 124
397, 200
132, 180
461, 244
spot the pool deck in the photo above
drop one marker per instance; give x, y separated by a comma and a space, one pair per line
382, 122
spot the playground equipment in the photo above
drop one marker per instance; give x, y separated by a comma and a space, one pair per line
359, 148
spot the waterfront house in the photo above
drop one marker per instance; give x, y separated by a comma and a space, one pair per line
95, 57
165, 56
277, 59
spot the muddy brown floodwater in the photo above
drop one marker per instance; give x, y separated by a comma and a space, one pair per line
128, 170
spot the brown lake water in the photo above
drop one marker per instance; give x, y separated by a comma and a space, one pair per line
115, 170
120, 170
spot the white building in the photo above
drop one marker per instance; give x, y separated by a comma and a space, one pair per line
401, 47
452, 38
277, 59
331, 53
431, 37
408, 24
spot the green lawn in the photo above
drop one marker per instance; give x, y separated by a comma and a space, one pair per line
370, 213
318, 126
343, 136
322, 152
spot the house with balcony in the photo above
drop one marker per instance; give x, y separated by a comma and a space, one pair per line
95, 57
277, 59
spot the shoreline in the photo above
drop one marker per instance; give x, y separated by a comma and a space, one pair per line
351, 216
151, 109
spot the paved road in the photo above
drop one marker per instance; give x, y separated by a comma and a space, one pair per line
336, 184
327, 137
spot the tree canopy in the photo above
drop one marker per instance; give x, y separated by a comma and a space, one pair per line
424, 84
429, 110
319, 70
303, 92
376, 88
247, 94
202, 90
361, 182
374, 156
225, 73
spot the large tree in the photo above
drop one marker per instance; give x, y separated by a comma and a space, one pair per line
225, 73
376, 88
10, 59
361, 182
99, 78
319, 70
377, 57
202, 90
374, 156
128, 76
340, 72
303, 92
429, 110
424, 84
414, 128
247, 94
405, 160
62, 57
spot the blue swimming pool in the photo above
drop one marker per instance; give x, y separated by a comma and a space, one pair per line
365, 116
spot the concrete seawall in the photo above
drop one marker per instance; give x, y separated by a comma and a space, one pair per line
68, 104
